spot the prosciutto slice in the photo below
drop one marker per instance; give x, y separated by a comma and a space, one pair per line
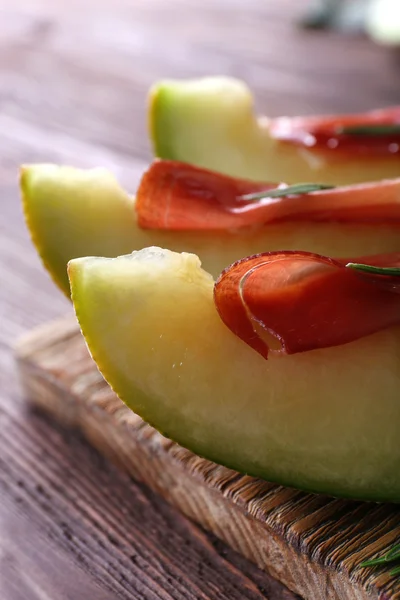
177, 196
290, 302
373, 133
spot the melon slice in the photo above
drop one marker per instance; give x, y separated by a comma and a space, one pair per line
211, 123
72, 213
325, 420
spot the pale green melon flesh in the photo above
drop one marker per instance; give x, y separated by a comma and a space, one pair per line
73, 213
211, 123
326, 420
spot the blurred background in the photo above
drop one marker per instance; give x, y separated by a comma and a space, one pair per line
74, 75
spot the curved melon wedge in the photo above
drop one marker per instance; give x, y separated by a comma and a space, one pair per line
73, 212
325, 420
211, 123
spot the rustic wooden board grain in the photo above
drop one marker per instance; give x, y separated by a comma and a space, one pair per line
313, 544
79, 530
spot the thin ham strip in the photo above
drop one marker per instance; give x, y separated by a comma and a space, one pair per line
177, 196
324, 133
304, 301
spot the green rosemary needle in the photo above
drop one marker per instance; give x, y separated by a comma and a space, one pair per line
392, 271
291, 190
391, 556
370, 130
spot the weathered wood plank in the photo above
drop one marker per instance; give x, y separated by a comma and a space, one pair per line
79, 529
313, 544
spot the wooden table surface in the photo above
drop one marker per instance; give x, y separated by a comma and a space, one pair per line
73, 81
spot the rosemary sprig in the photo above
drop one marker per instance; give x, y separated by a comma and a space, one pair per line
391, 556
375, 562
394, 572
394, 553
290, 190
393, 271
373, 129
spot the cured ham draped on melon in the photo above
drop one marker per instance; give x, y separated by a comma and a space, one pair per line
324, 421
306, 301
177, 196
77, 212
212, 123
374, 133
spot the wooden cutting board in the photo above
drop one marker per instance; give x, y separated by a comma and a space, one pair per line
313, 544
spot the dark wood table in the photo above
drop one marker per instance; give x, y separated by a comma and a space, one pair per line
73, 82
